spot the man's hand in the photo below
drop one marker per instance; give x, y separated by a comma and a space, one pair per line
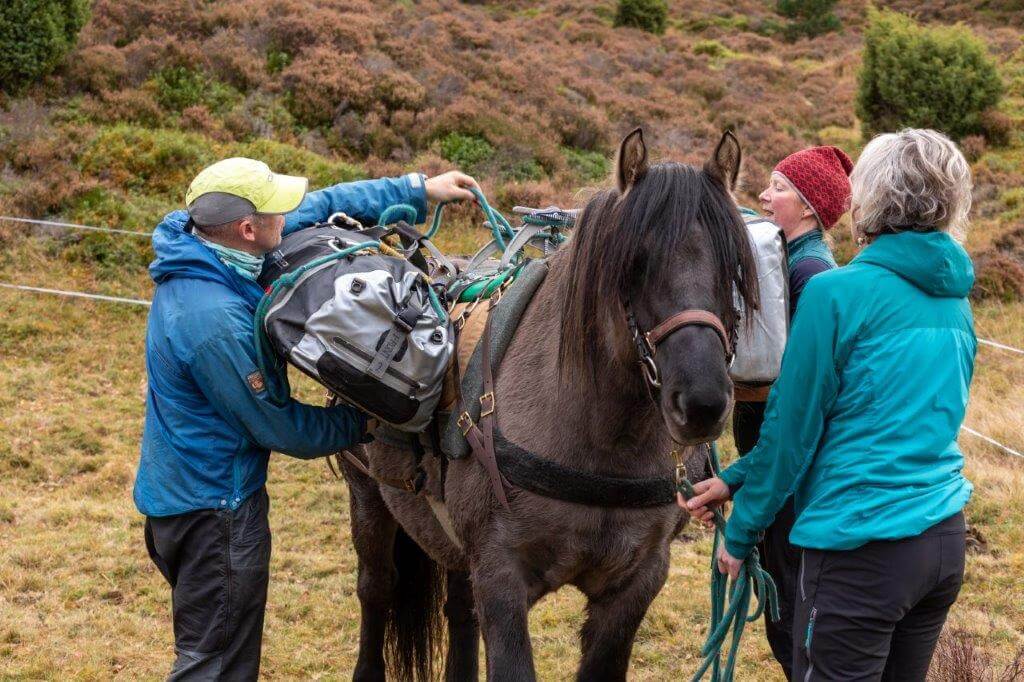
727, 563
450, 186
708, 496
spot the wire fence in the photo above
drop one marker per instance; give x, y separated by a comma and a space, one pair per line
144, 302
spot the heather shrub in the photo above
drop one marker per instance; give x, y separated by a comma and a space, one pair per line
323, 83
920, 77
35, 36
808, 17
647, 15
97, 68
128, 106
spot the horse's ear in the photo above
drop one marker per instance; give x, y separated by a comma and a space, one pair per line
631, 163
724, 164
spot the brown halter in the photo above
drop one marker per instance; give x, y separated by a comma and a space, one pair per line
647, 343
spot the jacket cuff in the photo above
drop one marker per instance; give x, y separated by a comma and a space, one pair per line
733, 476
417, 188
738, 547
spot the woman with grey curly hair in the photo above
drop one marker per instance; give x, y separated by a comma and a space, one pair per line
861, 425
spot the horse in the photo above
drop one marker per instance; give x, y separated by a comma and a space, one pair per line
666, 237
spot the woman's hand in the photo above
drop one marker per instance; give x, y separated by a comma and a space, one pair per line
727, 563
450, 186
708, 496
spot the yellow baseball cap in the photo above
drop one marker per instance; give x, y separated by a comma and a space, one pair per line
234, 188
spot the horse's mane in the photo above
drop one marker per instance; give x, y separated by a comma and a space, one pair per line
621, 239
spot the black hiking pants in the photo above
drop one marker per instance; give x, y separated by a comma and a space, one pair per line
218, 566
779, 558
875, 612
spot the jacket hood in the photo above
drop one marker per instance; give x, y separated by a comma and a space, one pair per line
180, 254
932, 261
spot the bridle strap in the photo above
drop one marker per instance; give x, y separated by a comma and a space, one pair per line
685, 318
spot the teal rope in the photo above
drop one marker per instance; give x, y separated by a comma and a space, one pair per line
435, 303
752, 581
388, 216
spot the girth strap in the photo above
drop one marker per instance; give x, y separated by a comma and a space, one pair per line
541, 476
689, 317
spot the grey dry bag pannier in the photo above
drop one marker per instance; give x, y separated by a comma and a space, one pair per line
761, 341
364, 325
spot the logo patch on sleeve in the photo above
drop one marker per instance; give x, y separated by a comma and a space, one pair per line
256, 382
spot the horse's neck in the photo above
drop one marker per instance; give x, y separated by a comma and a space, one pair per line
613, 428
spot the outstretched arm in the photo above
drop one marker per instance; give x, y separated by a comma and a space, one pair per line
795, 416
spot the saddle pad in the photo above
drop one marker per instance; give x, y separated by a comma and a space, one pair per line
505, 321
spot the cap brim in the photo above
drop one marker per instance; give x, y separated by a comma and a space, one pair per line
289, 191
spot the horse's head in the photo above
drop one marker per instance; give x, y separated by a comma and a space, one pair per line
653, 271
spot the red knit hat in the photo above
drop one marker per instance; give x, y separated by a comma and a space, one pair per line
822, 177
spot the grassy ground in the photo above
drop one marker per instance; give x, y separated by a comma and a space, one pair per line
80, 599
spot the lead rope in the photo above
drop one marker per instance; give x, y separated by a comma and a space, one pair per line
753, 581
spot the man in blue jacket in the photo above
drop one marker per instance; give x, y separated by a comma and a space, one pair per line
210, 424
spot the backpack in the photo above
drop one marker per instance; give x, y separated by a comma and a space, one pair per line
367, 326
761, 341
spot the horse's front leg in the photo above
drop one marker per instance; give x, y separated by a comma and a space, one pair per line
463, 631
500, 594
613, 617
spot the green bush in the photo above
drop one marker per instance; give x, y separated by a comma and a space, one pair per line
648, 15
35, 36
808, 17
466, 151
160, 163
913, 76
178, 88
589, 166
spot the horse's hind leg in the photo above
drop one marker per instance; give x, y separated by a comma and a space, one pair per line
463, 631
613, 617
373, 534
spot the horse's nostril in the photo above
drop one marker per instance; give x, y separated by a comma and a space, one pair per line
700, 410
679, 400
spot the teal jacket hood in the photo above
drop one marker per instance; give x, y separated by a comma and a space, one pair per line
932, 261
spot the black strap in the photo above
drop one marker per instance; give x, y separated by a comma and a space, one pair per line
403, 323
547, 478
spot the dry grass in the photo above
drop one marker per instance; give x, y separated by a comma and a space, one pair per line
80, 599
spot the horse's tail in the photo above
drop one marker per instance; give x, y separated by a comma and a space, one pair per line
414, 631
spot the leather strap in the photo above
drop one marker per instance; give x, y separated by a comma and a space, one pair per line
409, 485
685, 318
481, 438
750, 394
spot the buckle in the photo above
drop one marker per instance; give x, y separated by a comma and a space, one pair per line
487, 410
680, 473
465, 423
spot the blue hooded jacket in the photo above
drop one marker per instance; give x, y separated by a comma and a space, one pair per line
210, 425
861, 425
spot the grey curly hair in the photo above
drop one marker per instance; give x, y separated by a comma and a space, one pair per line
914, 180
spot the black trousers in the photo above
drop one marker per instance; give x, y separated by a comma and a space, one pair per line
218, 566
778, 556
876, 612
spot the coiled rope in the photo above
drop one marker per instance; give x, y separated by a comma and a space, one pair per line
730, 608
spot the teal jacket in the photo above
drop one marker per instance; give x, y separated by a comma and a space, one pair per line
861, 425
